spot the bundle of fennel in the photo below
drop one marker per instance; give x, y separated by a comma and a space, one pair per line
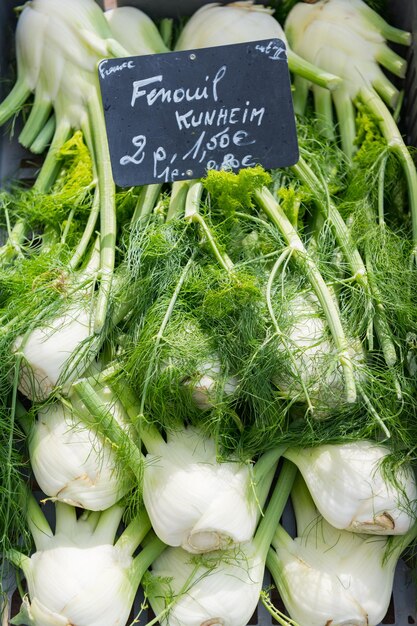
162, 368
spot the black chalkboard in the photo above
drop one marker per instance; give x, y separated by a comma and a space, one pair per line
175, 115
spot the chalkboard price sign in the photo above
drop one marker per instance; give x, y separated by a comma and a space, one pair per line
173, 116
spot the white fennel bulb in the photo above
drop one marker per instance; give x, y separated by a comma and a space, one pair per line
221, 591
78, 576
194, 501
205, 384
47, 350
348, 39
326, 575
73, 38
338, 49
220, 588
96, 574
216, 24
71, 463
314, 366
135, 31
349, 488
355, 14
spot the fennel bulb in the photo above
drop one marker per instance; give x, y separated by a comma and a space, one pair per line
217, 24
356, 14
78, 575
192, 500
347, 38
49, 353
219, 588
135, 31
314, 365
326, 575
71, 463
60, 64
68, 585
349, 488
204, 385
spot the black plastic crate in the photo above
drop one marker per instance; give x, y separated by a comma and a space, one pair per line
17, 163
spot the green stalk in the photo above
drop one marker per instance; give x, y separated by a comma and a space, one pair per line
381, 187
330, 308
378, 419
107, 208
396, 144
39, 527
108, 523
300, 95
148, 434
146, 557
88, 232
51, 165
147, 199
281, 539
267, 461
346, 118
165, 29
396, 35
381, 323
311, 72
398, 108
274, 565
268, 524
14, 101
324, 110
223, 259
68, 223
304, 508
65, 519
22, 416
263, 473
391, 61
44, 137
386, 90
134, 533
194, 194
21, 561
386, 343
96, 416
177, 199
39, 114
193, 214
